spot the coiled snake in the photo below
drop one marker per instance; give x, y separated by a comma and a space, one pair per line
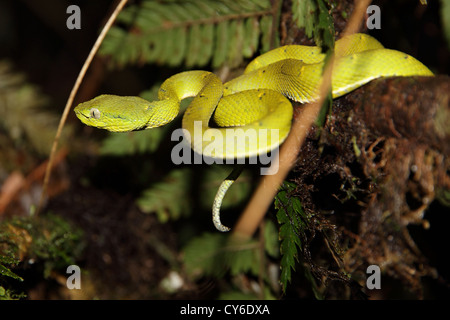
256, 100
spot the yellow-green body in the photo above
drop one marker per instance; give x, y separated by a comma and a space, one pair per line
256, 100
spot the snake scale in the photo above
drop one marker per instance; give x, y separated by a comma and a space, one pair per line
256, 100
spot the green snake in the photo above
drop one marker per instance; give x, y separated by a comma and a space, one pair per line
254, 101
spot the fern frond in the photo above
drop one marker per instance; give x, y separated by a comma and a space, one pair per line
121, 144
313, 15
203, 255
194, 33
291, 218
160, 197
304, 14
212, 254
445, 18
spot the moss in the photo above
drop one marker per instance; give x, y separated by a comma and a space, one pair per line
49, 241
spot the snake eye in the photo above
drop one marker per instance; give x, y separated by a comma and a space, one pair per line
94, 113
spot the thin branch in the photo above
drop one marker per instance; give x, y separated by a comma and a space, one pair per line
269, 185
74, 91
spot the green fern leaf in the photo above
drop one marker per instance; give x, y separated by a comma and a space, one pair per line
194, 46
160, 197
23, 112
313, 15
291, 218
304, 14
243, 257
445, 18
221, 44
251, 40
267, 34
203, 255
178, 49
121, 144
271, 241
195, 32
234, 47
212, 254
324, 33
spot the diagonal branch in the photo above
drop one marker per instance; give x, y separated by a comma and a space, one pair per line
269, 184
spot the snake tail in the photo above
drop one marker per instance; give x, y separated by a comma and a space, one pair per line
224, 186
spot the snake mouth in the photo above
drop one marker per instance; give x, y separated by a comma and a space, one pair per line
80, 113
85, 117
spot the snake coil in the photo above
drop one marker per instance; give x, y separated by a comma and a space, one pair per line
256, 100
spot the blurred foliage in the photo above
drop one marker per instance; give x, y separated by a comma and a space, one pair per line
445, 17
159, 198
48, 241
23, 113
216, 254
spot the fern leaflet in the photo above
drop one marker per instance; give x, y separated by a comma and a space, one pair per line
193, 33
291, 218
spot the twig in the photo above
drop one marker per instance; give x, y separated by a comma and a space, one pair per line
269, 184
74, 91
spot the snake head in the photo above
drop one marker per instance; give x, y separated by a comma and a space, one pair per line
114, 113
